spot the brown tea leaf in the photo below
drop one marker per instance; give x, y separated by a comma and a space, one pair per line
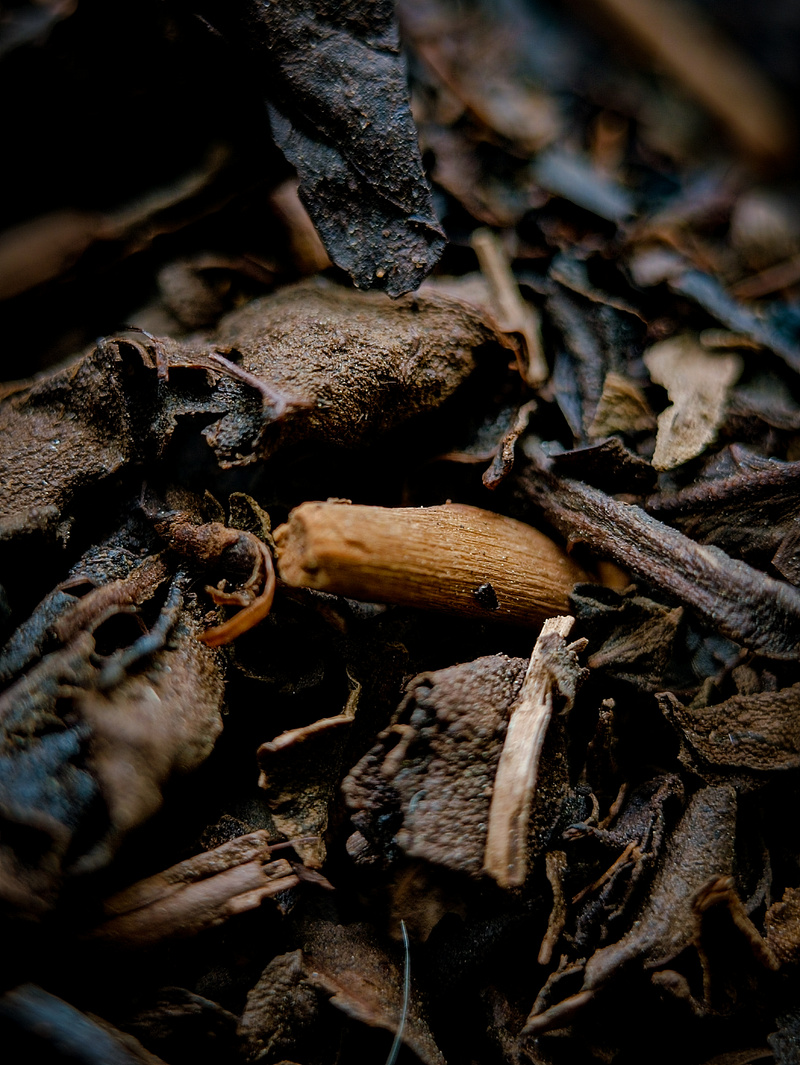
426, 786
758, 731
741, 602
338, 99
698, 383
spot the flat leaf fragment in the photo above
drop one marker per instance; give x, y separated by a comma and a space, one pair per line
698, 383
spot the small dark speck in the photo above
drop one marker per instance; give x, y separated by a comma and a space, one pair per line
486, 596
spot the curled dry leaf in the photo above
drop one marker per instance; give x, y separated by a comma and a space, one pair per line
698, 383
91, 735
739, 601
314, 362
759, 731
426, 786
701, 849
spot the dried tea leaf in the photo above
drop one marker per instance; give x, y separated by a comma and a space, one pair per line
336, 84
622, 408
698, 383
749, 510
347, 965
701, 849
759, 731
639, 636
741, 602
316, 362
426, 786
357, 363
91, 733
366, 982
782, 925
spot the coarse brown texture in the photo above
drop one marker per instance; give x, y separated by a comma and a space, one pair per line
91, 737
426, 787
452, 558
354, 971
197, 894
758, 731
357, 364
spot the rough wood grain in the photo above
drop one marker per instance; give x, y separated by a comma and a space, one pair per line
451, 558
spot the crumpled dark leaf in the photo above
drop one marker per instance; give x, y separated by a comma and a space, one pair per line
314, 362
350, 967
426, 786
700, 850
94, 727
336, 84
759, 731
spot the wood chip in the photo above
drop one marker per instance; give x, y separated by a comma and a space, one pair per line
553, 669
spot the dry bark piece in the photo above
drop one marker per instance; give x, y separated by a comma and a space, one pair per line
196, 894
426, 786
450, 558
553, 669
698, 383
741, 602
52, 1030
337, 88
759, 731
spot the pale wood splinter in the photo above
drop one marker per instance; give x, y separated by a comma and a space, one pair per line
553, 668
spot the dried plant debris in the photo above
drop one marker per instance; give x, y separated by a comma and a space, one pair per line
271, 695
350, 968
425, 789
744, 604
312, 362
336, 85
756, 731
97, 722
698, 383
199, 893
701, 849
